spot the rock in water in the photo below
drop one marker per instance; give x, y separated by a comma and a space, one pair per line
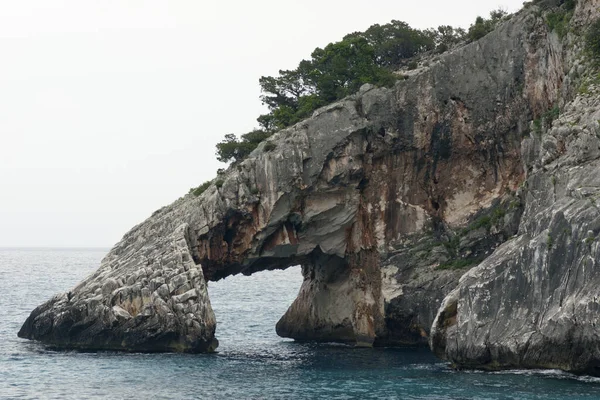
534, 303
386, 199
148, 295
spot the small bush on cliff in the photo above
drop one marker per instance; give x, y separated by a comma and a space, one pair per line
232, 149
459, 264
559, 22
550, 115
270, 146
592, 40
200, 189
483, 26
569, 4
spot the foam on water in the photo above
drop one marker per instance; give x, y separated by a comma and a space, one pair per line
252, 362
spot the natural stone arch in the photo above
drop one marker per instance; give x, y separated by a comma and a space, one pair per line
300, 204
342, 193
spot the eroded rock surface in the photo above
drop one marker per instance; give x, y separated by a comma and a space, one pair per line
149, 299
385, 198
534, 302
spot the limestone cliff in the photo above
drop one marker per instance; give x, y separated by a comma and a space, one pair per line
385, 198
534, 302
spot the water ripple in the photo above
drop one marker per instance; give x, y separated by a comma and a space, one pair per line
252, 362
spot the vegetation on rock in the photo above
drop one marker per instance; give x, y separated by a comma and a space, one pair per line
232, 149
340, 69
200, 189
592, 40
484, 26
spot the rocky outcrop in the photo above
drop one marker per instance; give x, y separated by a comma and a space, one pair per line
149, 299
385, 198
534, 302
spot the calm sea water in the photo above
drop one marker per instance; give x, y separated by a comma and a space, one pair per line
252, 362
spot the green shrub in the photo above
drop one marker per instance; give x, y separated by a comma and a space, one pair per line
497, 215
592, 40
232, 149
559, 22
550, 115
482, 222
200, 189
537, 126
270, 146
483, 26
219, 183
479, 29
459, 263
570, 4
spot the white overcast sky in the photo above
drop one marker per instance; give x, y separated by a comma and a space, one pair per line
110, 109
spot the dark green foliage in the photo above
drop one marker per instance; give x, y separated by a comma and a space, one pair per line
569, 5
486, 221
482, 222
537, 126
452, 246
232, 149
514, 204
395, 42
550, 115
483, 26
558, 21
592, 40
332, 73
446, 37
479, 29
459, 263
545, 120
340, 69
270, 146
549, 241
219, 183
200, 189
497, 215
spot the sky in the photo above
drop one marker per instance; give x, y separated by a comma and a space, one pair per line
111, 109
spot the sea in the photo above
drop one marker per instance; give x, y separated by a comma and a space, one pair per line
252, 362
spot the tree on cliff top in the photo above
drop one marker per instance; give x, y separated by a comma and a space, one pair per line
331, 74
232, 149
483, 26
340, 69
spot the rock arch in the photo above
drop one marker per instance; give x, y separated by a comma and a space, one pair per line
350, 194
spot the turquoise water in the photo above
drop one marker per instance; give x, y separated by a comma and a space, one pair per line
252, 363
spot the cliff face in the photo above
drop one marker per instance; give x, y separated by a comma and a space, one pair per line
385, 198
534, 301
